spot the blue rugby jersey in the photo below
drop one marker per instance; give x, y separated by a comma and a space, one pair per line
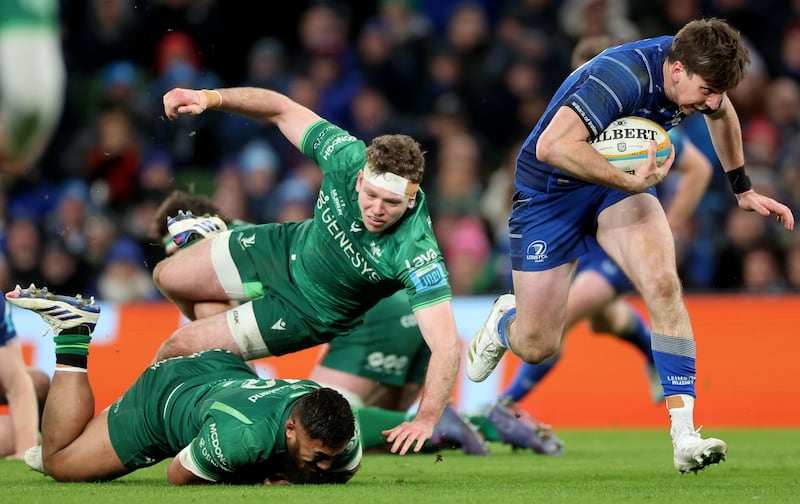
623, 80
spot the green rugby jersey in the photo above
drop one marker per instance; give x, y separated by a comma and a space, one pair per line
236, 427
29, 14
342, 268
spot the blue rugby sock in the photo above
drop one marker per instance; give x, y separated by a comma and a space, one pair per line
527, 377
639, 336
675, 360
504, 323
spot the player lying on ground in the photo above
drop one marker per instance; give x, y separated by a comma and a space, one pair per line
220, 422
382, 363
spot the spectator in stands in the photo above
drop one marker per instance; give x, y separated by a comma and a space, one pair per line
762, 270
125, 278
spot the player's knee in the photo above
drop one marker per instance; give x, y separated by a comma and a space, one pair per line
162, 274
534, 343
56, 469
546, 352
662, 288
538, 352
157, 274
172, 347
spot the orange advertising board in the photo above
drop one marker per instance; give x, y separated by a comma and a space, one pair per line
747, 349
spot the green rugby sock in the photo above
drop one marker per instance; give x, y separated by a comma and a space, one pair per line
372, 421
72, 349
485, 427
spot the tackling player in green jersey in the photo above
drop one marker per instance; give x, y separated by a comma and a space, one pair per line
305, 283
379, 367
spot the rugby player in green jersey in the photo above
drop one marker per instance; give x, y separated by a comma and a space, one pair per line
380, 366
272, 289
212, 413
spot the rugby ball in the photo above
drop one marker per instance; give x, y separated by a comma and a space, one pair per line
625, 141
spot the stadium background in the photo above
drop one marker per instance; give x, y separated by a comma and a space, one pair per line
468, 79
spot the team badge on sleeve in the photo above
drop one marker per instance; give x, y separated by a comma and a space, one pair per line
429, 277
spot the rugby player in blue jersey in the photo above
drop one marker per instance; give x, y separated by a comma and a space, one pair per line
565, 191
598, 281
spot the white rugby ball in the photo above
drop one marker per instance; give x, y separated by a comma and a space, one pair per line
625, 141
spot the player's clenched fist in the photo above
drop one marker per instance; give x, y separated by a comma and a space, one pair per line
185, 101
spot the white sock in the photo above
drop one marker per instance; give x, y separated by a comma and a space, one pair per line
682, 419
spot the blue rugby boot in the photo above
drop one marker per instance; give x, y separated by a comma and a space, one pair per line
455, 431
517, 428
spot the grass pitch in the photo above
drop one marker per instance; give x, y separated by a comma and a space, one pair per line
610, 466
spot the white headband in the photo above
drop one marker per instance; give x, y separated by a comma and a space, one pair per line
391, 182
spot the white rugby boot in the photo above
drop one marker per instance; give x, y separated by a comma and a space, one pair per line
485, 350
693, 453
59, 312
186, 227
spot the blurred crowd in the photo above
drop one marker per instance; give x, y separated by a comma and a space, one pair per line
467, 79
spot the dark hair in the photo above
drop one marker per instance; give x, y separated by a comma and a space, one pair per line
398, 154
713, 50
325, 415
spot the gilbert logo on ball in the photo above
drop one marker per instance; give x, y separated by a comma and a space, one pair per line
625, 141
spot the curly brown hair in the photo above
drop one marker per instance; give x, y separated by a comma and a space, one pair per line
713, 50
398, 154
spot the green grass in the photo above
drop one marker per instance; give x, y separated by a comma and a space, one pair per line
598, 466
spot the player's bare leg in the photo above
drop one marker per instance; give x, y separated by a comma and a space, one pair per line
188, 279
75, 444
636, 234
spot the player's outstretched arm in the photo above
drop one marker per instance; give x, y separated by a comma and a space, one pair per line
726, 134
256, 103
438, 327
